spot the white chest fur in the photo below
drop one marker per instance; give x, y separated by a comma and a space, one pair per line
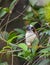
29, 37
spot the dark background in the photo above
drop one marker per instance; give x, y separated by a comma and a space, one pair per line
18, 7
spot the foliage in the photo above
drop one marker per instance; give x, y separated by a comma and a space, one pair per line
42, 62
47, 12
23, 46
12, 4
32, 2
3, 11
25, 53
45, 52
9, 9
15, 39
4, 63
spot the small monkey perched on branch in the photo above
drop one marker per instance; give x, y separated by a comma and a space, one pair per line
31, 38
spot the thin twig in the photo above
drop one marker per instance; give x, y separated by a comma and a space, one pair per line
36, 61
20, 13
7, 21
29, 62
12, 59
25, 62
45, 40
6, 16
3, 19
11, 51
14, 18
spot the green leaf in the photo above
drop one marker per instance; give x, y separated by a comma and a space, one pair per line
29, 15
5, 35
14, 46
4, 63
3, 11
46, 31
29, 9
19, 31
44, 62
10, 40
25, 54
34, 45
20, 54
23, 46
46, 50
13, 4
33, 23
33, 2
20, 36
6, 47
12, 35
41, 11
